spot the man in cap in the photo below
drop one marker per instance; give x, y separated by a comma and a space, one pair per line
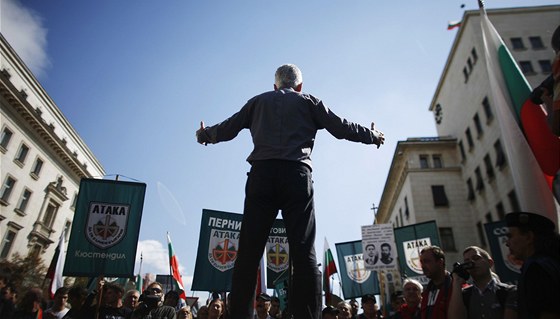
330, 312
370, 308
534, 239
263, 306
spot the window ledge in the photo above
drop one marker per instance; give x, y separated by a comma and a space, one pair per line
18, 162
4, 202
34, 176
20, 212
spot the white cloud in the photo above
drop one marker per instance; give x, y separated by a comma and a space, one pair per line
26, 33
155, 257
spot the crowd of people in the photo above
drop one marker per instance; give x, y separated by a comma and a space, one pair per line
470, 290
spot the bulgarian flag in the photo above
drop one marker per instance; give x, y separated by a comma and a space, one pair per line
174, 265
328, 271
510, 93
54, 273
453, 24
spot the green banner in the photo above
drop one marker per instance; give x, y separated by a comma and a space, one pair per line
217, 251
105, 229
410, 241
356, 280
277, 252
506, 265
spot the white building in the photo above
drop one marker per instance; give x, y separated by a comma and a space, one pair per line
469, 162
42, 159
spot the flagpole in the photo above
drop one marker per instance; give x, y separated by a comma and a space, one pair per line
170, 278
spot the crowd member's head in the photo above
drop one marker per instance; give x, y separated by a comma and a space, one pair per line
531, 234
202, 313
482, 262
3, 281
171, 298
263, 305
130, 299
215, 309
344, 310
432, 259
412, 291
184, 313
31, 300
274, 307
155, 289
8, 292
355, 307
369, 305
76, 297
112, 295
288, 76
60, 298
330, 312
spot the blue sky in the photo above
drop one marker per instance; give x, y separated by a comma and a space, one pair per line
135, 78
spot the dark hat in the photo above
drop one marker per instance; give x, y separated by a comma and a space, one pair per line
367, 298
329, 310
264, 297
531, 221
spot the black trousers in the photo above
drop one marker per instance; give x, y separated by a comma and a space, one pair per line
274, 185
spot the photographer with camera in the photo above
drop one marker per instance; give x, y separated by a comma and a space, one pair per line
151, 306
486, 297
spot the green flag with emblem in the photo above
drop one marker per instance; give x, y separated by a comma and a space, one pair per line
105, 229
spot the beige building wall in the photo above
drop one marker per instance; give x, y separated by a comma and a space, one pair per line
42, 159
462, 105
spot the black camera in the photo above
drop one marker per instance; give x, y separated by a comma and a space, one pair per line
148, 302
461, 269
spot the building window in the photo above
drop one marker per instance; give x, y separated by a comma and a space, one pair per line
470, 64
74, 201
424, 161
526, 67
37, 168
50, 215
479, 182
489, 167
536, 43
500, 210
462, 151
67, 229
22, 153
5, 138
470, 189
438, 193
6, 190
406, 211
466, 74
477, 125
7, 243
23, 201
469, 138
517, 43
488, 217
546, 66
513, 202
447, 239
474, 55
437, 161
487, 110
500, 155
480, 231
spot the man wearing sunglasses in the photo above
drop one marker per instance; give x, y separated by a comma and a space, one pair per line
151, 304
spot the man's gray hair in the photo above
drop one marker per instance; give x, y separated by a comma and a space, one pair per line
288, 76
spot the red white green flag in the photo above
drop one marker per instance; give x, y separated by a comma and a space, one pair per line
453, 24
328, 271
510, 91
174, 265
